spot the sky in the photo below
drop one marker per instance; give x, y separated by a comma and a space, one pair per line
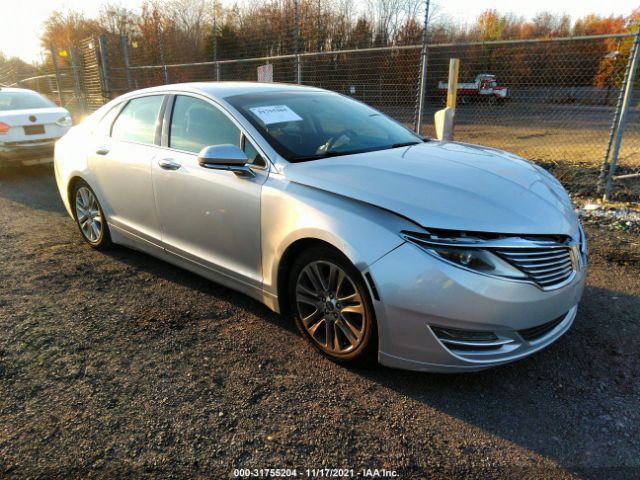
21, 20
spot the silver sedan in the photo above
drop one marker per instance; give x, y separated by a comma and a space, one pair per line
434, 256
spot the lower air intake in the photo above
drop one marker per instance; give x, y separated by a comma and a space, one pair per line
534, 333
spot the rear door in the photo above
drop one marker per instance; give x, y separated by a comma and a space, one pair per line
121, 164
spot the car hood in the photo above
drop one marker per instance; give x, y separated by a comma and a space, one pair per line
448, 185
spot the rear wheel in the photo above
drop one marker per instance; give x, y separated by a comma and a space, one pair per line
331, 306
90, 217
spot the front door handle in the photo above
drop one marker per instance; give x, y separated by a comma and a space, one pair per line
168, 164
102, 151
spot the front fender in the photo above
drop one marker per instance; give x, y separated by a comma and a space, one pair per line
69, 162
292, 212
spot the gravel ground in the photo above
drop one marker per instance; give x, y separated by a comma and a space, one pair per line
117, 365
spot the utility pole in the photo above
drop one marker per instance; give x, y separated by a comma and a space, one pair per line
164, 66
215, 45
423, 70
296, 46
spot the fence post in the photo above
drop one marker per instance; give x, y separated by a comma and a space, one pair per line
124, 45
296, 45
77, 90
423, 72
604, 169
452, 87
17, 72
164, 66
54, 60
634, 59
102, 44
215, 47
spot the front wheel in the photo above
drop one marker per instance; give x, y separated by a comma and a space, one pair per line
332, 307
90, 217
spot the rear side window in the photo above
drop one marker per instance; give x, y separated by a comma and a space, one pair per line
138, 120
196, 124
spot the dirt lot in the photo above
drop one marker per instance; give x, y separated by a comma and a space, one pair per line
118, 365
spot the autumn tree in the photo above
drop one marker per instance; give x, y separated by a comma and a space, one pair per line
613, 63
65, 30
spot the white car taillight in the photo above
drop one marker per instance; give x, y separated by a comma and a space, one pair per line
4, 128
65, 121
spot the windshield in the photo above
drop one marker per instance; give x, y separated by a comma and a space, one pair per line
23, 101
304, 126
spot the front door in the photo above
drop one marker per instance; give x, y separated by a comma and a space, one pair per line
209, 217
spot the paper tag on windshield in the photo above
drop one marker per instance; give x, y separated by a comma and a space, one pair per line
276, 114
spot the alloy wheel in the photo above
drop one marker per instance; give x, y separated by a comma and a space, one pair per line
88, 215
330, 307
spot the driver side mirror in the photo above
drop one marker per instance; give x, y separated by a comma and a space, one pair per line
225, 157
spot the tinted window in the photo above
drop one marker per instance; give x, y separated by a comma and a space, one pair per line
137, 122
312, 125
196, 124
23, 101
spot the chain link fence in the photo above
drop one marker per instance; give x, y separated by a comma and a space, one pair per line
560, 103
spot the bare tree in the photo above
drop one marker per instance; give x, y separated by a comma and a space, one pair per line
193, 18
390, 16
117, 19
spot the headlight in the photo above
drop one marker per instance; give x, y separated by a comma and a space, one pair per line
480, 261
467, 255
65, 121
583, 242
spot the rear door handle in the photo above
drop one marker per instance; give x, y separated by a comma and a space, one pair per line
168, 164
102, 151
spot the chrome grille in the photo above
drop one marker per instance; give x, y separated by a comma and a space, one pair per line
548, 267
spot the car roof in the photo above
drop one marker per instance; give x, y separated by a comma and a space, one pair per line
228, 89
14, 89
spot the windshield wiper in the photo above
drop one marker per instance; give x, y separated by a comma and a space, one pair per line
319, 156
333, 153
405, 144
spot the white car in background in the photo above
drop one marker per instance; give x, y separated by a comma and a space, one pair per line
30, 125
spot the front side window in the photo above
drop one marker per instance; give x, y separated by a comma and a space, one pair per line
196, 124
252, 154
304, 126
138, 120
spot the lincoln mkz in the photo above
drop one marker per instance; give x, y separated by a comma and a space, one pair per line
433, 256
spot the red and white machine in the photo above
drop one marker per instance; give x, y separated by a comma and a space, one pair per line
484, 87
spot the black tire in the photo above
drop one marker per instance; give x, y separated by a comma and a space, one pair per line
342, 318
102, 240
